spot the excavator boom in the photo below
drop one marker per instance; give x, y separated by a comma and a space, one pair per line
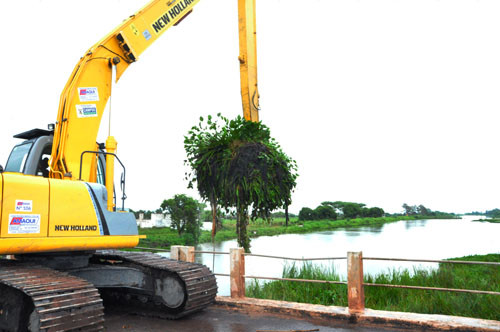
84, 98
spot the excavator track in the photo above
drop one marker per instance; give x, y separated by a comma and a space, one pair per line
41, 299
199, 286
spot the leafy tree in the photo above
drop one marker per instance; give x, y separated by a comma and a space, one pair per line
376, 212
409, 210
185, 215
352, 210
423, 211
237, 164
325, 212
306, 214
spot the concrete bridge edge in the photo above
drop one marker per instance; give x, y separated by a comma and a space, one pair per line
340, 315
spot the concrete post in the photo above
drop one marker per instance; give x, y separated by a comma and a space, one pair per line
186, 254
237, 267
182, 253
174, 252
355, 290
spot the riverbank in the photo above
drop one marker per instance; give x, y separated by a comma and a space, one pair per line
166, 237
458, 276
492, 220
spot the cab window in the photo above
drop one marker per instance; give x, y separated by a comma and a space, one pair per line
17, 158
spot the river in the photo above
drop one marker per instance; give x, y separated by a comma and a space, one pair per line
422, 239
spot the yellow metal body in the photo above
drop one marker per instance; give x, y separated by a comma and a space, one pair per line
53, 214
27, 245
42, 215
248, 59
111, 146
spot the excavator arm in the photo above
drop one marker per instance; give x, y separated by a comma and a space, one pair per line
84, 98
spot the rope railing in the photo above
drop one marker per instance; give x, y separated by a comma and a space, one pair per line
211, 252
295, 259
153, 249
298, 280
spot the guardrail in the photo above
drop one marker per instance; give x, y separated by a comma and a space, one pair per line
355, 283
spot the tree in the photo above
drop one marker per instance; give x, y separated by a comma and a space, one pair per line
376, 212
352, 210
185, 215
409, 210
423, 211
325, 212
238, 164
306, 214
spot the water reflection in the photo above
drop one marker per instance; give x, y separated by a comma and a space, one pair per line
424, 239
415, 223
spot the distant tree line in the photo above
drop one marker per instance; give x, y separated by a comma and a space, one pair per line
495, 213
420, 210
340, 210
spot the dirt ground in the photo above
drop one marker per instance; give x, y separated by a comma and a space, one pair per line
215, 319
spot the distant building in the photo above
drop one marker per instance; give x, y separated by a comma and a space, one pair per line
157, 220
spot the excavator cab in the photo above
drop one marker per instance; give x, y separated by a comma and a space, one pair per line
31, 156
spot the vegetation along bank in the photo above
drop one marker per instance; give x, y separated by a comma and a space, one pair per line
166, 237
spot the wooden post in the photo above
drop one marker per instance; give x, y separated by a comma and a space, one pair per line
355, 290
182, 253
237, 272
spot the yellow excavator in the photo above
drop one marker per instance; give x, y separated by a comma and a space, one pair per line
60, 222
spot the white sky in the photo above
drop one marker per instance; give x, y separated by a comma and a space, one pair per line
379, 101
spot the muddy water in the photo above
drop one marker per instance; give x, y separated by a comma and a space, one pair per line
424, 239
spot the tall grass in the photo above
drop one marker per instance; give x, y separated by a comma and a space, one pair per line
327, 294
431, 302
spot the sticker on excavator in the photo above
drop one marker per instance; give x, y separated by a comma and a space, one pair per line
86, 111
24, 206
146, 34
88, 94
24, 223
134, 29
167, 18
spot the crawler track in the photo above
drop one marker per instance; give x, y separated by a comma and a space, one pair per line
46, 300
198, 282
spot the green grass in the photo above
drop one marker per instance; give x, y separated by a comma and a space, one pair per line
493, 220
165, 237
431, 302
